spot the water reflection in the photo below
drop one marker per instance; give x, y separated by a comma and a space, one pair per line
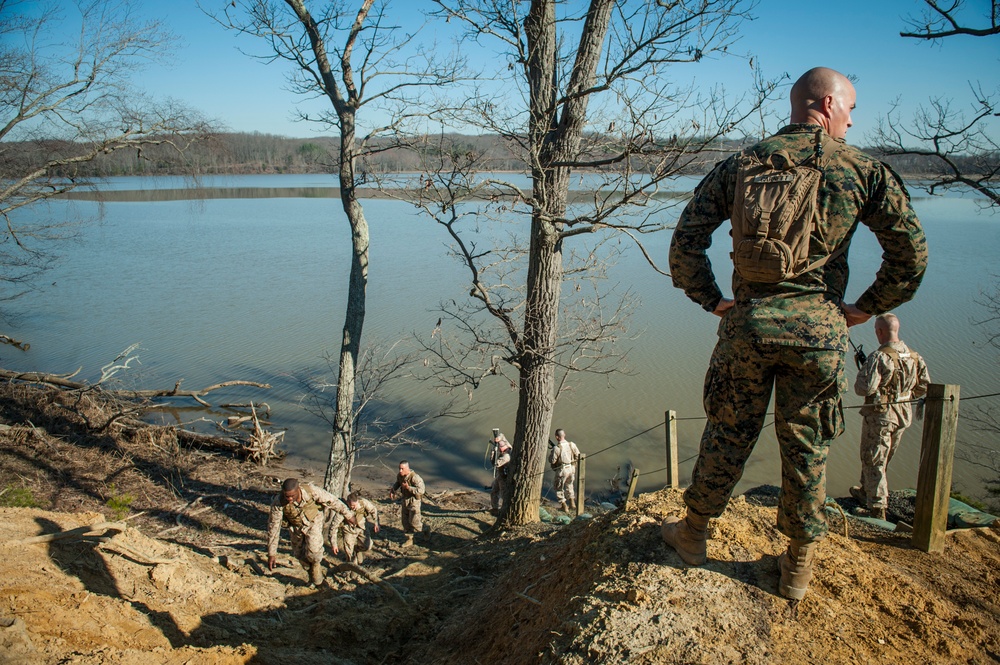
248, 284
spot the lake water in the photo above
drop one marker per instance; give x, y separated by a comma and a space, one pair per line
253, 288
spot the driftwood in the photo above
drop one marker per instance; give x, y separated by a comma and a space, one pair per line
5, 339
257, 445
63, 381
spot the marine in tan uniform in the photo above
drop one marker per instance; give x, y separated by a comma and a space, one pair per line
356, 538
301, 508
790, 336
410, 487
500, 456
562, 459
891, 377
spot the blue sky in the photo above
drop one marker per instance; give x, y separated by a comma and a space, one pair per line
857, 37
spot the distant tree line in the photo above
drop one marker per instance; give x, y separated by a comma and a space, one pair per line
259, 153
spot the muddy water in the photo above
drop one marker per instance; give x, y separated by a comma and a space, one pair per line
227, 287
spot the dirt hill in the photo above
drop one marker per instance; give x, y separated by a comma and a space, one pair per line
181, 580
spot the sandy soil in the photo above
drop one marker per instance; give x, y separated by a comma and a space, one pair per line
181, 580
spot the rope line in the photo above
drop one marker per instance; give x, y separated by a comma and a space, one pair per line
768, 424
615, 445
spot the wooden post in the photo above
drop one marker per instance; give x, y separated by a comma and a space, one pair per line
673, 472
631, 488
937, 449
581, 483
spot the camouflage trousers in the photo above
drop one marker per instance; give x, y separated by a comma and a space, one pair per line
356, 539
409, 513
564, 483
497, 491
880, 438
808, 415
307, 543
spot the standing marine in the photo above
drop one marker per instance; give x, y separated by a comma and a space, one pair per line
500, 456
562, 458
301, 508
410, 487
787, 332
891, 377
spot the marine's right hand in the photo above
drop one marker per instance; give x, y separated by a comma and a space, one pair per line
271, 562
854, 315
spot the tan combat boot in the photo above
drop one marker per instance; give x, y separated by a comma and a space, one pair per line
316, 573
572, 504
875, 512
687, 536
796, 568
562, 507
409, 540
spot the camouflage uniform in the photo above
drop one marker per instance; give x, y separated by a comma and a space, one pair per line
562, 458
304, 520
501, 471
884, 418
366, 515
410, 513
791, 334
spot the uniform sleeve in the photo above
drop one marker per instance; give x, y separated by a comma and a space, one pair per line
328, 500
690, 267
273, 529
417, 486
923, 379
576, 451
371, 509
503, 460
871, 375
904, 247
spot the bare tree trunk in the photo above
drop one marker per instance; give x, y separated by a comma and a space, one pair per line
342, 448
554, 138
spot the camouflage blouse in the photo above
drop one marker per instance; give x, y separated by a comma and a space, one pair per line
805, 311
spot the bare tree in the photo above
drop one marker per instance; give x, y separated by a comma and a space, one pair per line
960, 139
355, 56
986, 418
64, 104
598, 98
376, 427
965, 145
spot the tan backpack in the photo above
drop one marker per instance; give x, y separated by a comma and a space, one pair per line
774, 213
900, 376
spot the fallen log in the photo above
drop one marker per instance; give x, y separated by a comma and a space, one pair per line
63, 381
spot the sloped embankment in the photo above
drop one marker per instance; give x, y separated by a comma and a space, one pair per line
603, 591
610, 591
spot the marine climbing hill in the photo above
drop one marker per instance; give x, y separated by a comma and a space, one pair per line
172, 574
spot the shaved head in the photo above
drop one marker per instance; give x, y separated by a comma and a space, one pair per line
823, 97
887, 328
888, 322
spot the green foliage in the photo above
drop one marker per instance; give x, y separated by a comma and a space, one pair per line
120, 504
18, 497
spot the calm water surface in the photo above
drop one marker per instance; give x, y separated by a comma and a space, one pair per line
252, 288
